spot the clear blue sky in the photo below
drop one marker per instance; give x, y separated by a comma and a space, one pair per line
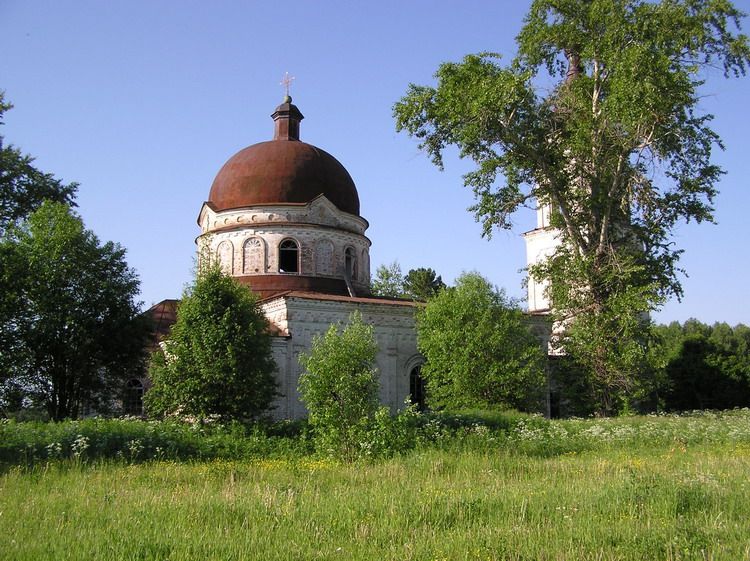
141, 102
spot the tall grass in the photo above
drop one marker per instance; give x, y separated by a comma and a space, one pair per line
689, 502
475, 487
135, 440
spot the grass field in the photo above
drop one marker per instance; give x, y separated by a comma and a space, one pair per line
637, 488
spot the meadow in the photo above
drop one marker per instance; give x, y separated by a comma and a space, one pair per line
472, 487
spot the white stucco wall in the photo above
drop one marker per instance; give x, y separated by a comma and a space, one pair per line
300, 319
313, 226
540, 244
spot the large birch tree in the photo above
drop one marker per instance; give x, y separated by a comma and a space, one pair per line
599, 117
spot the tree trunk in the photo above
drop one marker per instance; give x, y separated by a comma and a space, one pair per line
575, 68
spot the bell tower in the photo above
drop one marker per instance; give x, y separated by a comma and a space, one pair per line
540, 244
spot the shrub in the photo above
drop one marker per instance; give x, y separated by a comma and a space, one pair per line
136, 440
218, 357
479, 351
340, 387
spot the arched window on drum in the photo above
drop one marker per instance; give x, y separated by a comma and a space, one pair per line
324, 257
225, 256
288, 256
350, 263
364, 267
253, 257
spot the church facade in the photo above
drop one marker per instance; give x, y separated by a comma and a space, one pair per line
283, 218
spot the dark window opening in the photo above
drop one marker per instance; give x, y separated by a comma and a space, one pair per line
132, 404
417, 390
554, 404
288, 257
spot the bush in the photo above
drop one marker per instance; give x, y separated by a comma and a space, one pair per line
340, 387
479, 351
700, 366
135, 440
218, 357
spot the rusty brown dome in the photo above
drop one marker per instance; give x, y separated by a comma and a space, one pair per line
283, 170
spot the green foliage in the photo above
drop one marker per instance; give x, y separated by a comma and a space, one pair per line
23, 188
32, 444
422, 284
70, 327
340, 387
687, 367
388, 281
702, 366
388, 434
631, 489
418, 284
610, 349
618, 149
136, 440
479, 351
217, 360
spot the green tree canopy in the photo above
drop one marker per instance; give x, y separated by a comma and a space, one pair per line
23, 188
704, 366
70, 327
217, 360
422, 283
478, 350
418, 284
618, 148
388, 281
340, 386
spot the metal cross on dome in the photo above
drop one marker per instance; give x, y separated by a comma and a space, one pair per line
286, 81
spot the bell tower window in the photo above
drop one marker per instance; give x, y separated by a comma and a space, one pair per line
288, 257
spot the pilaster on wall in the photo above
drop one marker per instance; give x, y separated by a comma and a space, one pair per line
304, 318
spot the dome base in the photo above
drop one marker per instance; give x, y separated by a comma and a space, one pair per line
266, 286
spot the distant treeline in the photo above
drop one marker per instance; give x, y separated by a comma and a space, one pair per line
703, 366
691, 366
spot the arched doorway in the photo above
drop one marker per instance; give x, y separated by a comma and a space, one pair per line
417, 389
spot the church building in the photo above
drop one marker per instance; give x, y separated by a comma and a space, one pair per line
283, 218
